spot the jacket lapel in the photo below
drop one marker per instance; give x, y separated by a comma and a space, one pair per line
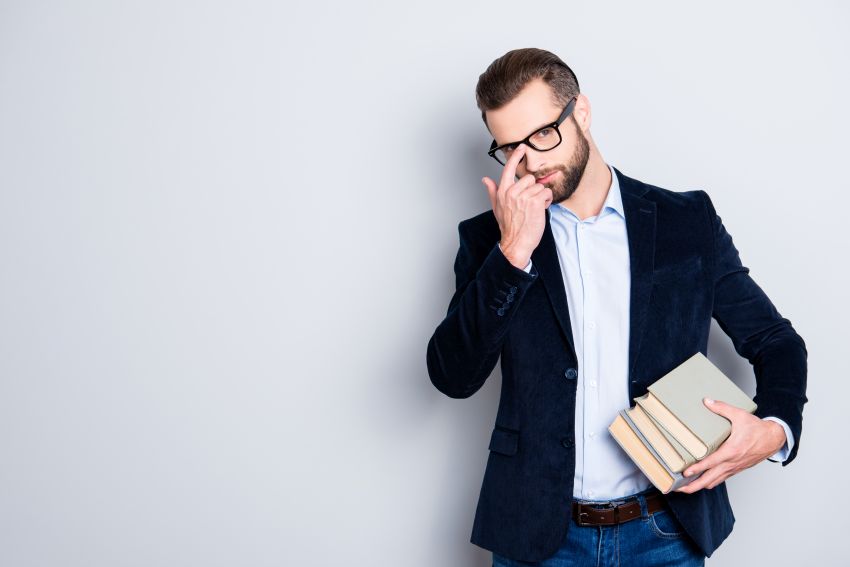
640, 226
545, 257
640, 216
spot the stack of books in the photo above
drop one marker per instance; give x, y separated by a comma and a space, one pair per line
670, 428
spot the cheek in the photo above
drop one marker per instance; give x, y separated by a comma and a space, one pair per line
572, 147
564, 156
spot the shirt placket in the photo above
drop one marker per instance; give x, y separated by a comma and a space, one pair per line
588, 371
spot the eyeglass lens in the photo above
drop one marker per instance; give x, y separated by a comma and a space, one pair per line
542, 140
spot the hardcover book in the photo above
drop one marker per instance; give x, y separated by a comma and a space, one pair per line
675, 402
644, 456
674, 455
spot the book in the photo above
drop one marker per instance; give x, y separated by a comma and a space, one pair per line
629, 437
669, 450
674, 401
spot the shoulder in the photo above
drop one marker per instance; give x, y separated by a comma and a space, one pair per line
482, 228
669, 203
480, 221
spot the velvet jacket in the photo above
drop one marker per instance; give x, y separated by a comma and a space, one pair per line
685, 270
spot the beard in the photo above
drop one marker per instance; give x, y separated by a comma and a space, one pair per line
573, 172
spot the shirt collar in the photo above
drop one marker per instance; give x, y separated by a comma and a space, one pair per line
614, 200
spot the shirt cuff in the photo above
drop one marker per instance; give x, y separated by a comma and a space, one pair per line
782, 453
527, 268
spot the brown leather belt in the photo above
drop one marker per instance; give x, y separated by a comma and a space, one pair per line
586, 514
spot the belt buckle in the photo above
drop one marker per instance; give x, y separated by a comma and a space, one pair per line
581, 515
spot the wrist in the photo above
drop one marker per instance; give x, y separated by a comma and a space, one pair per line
777, 434
516, 258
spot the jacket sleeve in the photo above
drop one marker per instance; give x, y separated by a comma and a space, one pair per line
466, 345
760, 334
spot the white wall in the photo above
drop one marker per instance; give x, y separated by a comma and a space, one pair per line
227, 233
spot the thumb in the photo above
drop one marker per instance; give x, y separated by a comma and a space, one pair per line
491, 190
719, 407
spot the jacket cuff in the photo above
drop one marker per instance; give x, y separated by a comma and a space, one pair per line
782, 454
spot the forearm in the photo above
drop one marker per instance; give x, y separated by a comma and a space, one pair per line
466, 345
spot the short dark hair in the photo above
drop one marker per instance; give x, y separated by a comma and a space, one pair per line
505, 77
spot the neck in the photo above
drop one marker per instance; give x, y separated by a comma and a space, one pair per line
592, 191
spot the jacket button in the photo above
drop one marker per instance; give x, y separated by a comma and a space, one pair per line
571, 373
500, 311
513, 289
510, 297
567, 442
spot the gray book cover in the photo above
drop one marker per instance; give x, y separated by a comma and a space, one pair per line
682, 389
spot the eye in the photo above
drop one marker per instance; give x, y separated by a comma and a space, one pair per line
544, 132
511, 147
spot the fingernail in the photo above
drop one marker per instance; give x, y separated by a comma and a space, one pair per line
709, 401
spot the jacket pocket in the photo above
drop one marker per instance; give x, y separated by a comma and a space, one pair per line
504, 441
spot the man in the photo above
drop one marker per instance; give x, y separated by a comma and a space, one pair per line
590, 285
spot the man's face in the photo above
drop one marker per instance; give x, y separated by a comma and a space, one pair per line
532, 108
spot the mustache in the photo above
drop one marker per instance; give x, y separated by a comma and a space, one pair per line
539, 175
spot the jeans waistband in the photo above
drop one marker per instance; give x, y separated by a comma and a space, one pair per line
620, 500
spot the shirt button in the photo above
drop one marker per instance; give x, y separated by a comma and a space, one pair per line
593, 383
592, 325
590, 493
591, 434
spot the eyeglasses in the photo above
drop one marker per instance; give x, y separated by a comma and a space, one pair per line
543, 139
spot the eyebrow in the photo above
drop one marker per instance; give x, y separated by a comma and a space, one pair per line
532, 132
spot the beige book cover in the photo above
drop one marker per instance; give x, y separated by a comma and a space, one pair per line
688, 458
675, 456
635, 446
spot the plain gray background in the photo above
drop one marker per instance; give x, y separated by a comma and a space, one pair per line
227, 232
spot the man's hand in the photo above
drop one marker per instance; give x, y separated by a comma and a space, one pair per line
752, 440
520, 209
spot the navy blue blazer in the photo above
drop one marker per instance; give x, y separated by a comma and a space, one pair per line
685, 270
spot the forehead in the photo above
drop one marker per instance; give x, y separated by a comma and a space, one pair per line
533, 107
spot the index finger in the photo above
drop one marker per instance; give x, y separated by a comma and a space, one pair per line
509, 173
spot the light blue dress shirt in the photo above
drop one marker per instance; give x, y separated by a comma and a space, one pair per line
595, 265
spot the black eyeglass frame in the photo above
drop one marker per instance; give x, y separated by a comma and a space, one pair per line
527, 140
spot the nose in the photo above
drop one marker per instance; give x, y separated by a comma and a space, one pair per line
533, 160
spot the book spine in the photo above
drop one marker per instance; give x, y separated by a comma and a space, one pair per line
682, 480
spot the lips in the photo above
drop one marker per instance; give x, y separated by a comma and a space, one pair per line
547, 178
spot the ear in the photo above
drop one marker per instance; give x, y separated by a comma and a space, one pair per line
582, 113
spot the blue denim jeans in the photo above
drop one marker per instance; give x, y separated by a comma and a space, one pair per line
653, 540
